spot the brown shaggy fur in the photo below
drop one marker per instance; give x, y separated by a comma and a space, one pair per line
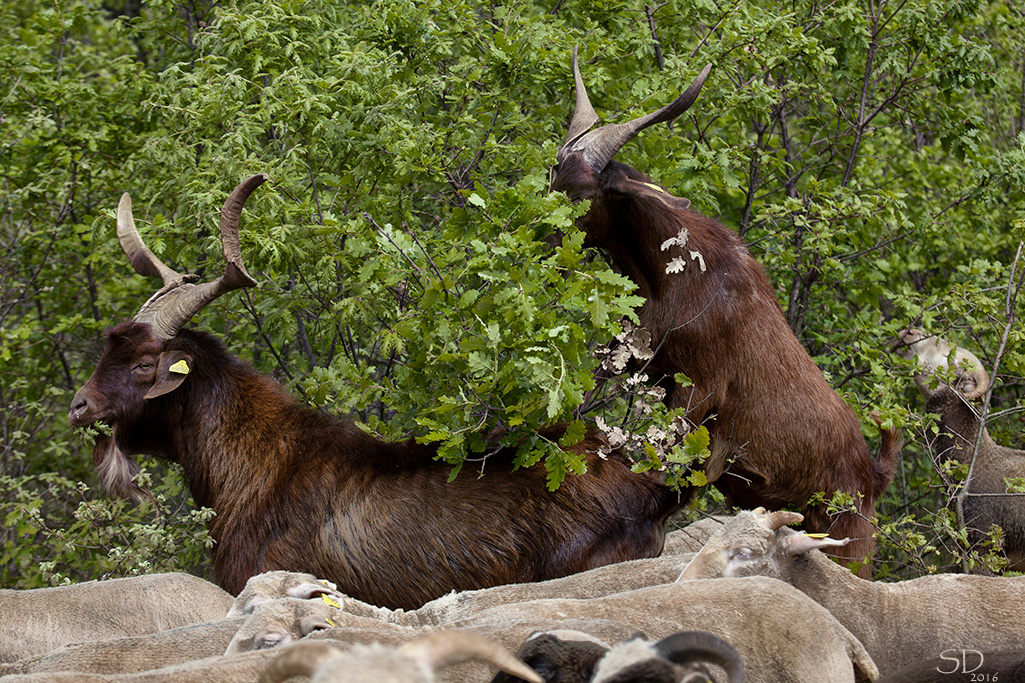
779, 431
296, 489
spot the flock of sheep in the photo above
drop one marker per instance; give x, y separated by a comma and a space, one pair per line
502, 581
730, 599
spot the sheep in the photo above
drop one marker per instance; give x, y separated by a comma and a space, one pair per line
133, 654
559, 656
38, 620
597, 582
412, 662
692, 537
897, 622
576, 657
959, 426
768, 622
298, 490
280, 622
211, 651
280, 584
678, 658
779, 633
245, 668
258, 608
779, 432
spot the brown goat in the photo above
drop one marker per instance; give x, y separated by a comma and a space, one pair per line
779, 431
298, 490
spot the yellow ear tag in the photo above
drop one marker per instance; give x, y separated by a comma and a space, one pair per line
331, 602
330, 623
817, 535
654, 187
181, 367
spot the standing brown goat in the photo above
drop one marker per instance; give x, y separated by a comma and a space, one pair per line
295, 489
779, 431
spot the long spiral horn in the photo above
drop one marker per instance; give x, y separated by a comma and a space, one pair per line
181, 298
599, 146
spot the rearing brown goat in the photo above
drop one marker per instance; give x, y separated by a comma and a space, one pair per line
779, 431
298, 490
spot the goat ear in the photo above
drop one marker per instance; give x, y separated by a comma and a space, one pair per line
639, 188
172, 369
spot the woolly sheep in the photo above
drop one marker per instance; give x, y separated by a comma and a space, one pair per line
597, 582
411, 662
281, 584
679, 658
133, 653
38, 620
175, 646
692, 537
280, 622
780, 633
897, 622
771, 624
559, 656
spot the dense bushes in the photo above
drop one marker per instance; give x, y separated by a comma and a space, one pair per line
414, 270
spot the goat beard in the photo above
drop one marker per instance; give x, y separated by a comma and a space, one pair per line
117, 471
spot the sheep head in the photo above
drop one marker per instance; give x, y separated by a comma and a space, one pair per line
679, 658
934, 354
276, 584
754, 543
559, 656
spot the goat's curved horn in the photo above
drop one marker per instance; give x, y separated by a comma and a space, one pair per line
143, 260
584, 116
698, 646
448, 647
600, 145
180, 299
302, 659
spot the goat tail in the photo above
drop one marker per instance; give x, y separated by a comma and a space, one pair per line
885, 464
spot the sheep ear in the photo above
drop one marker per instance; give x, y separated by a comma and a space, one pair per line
306, 591
172, 369
314, 622
799, 543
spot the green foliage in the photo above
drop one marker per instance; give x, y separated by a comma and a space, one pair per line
119, 539
416, 274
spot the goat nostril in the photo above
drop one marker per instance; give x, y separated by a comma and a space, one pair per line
79, 407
